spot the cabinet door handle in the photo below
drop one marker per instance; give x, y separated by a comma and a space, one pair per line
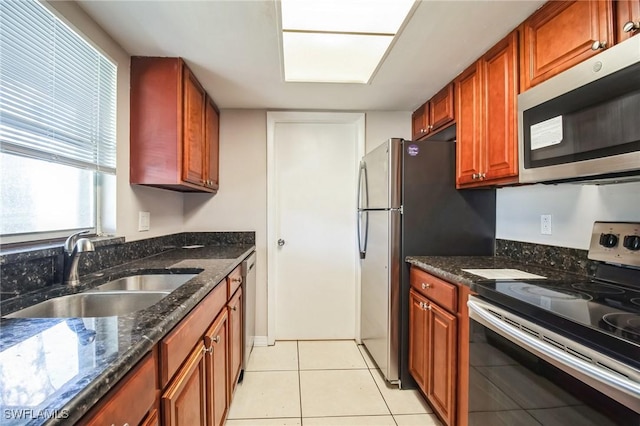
235, 308
425, 286
216, 340
209, 350
427, 306
631, 26
421, 305
475, 176
236, 280
597, 45
482, 175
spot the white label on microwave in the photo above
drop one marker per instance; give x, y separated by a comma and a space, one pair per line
546, 133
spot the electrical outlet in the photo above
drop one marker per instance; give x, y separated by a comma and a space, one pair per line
545, 224
144, 221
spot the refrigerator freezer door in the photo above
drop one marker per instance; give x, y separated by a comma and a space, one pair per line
380, 292
383, 173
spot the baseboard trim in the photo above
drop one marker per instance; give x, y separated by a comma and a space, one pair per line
260, 341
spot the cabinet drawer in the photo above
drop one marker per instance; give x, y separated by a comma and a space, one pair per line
234, 279
443, 293
177, 345
132, 398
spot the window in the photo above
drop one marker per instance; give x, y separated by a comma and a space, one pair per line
57, 125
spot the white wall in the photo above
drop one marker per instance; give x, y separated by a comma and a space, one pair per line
241, 202
573, 207
382, 125
165, 206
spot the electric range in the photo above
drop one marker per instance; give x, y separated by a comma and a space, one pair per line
586, 329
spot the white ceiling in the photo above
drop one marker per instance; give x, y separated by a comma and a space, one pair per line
233, 48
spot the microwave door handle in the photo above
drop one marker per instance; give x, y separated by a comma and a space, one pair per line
478, 311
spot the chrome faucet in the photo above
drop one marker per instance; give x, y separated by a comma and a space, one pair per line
72, 249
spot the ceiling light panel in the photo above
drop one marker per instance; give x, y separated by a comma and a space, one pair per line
337, 58
338, 41
359, 16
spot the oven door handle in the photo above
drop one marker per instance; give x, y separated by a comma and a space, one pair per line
625, 387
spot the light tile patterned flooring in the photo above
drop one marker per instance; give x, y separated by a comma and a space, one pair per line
322, 383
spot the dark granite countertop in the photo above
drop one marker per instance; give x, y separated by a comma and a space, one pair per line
450, 268
52, 373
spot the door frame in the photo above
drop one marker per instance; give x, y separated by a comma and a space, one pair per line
273, 118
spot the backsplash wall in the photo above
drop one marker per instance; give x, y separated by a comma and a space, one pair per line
574, 209
25, 271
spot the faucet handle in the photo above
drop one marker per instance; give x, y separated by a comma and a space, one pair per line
70, 243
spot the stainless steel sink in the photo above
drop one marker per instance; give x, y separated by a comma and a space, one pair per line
153, 282
97, 304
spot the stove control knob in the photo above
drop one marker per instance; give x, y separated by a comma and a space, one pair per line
632, 242
608, 240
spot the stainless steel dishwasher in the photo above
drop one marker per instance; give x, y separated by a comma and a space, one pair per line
249, 307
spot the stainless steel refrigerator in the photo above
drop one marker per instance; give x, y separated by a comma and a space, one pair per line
408, 205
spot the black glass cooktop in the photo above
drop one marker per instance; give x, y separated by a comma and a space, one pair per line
597, 313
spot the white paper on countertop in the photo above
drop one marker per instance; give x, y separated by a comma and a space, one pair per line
503, 274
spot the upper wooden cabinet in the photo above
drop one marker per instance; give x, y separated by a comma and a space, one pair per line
434, 114
174, 127
486, 125
562, 34
627, 22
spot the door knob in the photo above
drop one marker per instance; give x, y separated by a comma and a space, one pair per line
280, 242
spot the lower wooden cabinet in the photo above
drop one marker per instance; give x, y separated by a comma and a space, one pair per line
216, 341
433, 354
235, 339
131, 399
184, 402
153, 419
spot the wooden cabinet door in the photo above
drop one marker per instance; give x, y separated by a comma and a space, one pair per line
441, 108
212, 145
419, 123
626, 11
560, 35
193, 149
468, 111
418, 325
216, 341
441, 363
235, 339
153, 419
184, 401
500, 85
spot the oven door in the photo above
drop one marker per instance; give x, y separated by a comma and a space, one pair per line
523, 374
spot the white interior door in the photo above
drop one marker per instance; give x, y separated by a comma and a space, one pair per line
315, 171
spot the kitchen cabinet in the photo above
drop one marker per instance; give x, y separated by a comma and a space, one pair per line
131, 399
562, 34
433, 342
153, 419
184, 403
216, 341
627, 22
486, 126
174, 127
434, 114
235, 339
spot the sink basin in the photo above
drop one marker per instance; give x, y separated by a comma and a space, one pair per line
153, 282
98, 304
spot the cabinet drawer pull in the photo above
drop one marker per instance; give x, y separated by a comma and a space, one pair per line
427, 306
631, 26
235, 308
475, 176
597, 45
216, 340
209, 350
236, 280
425, 286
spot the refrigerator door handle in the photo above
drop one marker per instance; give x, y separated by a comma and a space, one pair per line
362, 180
362, 245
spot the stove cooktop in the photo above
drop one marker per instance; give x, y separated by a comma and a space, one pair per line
602, 307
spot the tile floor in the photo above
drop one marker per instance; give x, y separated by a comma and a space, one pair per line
318, 383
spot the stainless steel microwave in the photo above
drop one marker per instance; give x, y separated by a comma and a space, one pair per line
584, 123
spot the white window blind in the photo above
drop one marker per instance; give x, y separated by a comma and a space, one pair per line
57, 92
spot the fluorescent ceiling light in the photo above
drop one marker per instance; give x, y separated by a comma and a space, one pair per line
338, 41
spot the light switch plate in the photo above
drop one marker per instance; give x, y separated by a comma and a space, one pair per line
545, 224
144, 221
